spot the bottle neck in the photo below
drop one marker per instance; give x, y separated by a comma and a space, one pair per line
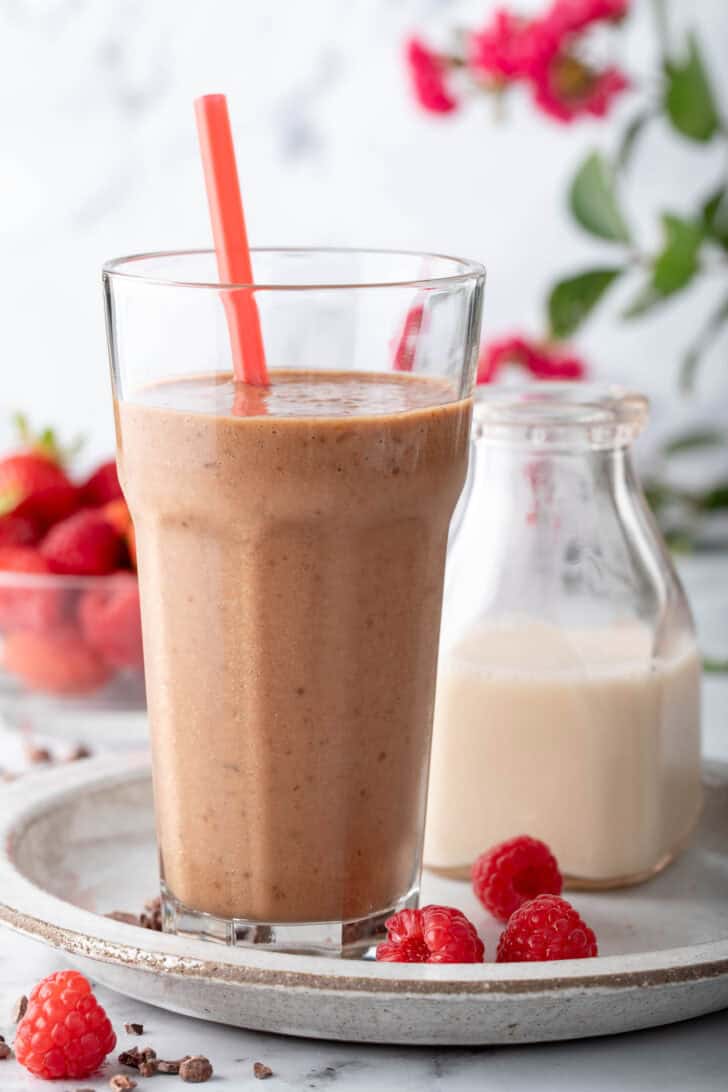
553, 487
562, 525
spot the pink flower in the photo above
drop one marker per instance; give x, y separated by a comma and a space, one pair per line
427, 71
541, 52
566, 89
574, 16
542, 361
505, 50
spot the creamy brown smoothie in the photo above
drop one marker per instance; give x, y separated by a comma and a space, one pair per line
291, 547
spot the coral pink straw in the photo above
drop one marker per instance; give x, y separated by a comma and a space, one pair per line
231, 240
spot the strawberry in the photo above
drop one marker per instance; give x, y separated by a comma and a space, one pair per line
56, 662
18, 531
35, 487
22, 605
111, 622
102, 486
85, 544
117, 514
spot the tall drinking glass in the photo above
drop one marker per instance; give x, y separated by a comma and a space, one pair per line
291, 543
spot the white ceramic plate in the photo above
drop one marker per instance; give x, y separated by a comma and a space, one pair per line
78, 841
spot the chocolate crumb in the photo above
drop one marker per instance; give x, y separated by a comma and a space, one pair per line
151, 915
134, 1029
171, 1066
123, 916
79, 751
5, 1051
139, 1059
21, 1007
261, 1071
131, 1057
121, 1083
37, 755
195, 1070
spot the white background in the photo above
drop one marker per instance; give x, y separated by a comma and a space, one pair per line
98, 158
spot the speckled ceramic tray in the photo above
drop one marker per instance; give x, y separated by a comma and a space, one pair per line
78, 841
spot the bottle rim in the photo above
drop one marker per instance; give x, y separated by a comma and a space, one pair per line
570, 414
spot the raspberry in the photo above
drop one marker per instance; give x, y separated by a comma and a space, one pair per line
513, 872
65, 1032
545, 928
434, 934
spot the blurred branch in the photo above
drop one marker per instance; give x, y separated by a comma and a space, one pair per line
702, 343
695, 439
659, 10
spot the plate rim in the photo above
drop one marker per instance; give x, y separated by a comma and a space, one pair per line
28, 909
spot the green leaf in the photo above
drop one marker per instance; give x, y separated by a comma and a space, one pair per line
713, 666
689, 97
572, 299
46, 442
630, 136
644, 301
695, 440
9, 500
593, 200
675, 265
677, 262
658, 495
715, 217
21, 426
715, 499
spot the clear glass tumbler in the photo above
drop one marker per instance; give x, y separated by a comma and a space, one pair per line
291, 546
568, 694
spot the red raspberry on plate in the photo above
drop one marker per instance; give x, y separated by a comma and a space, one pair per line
434, 934
55, 662
102, 486
65, 1032
85, 544
513, 872
545, 928
111, 621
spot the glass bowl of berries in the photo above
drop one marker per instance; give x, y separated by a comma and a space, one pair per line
70, 626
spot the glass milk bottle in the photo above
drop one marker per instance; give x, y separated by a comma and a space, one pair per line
568, 702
